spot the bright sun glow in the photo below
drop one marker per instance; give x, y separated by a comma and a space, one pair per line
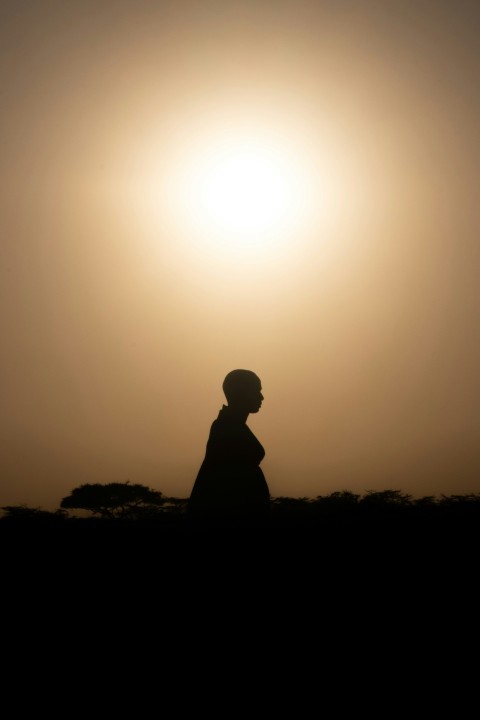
244, 189
241, 192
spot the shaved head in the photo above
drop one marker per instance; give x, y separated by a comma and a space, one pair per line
239, 382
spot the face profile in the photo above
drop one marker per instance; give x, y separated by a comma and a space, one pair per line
243, 390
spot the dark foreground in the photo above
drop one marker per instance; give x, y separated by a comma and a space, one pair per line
297, 575
292, 534
390, 591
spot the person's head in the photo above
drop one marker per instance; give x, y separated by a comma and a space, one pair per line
243, 390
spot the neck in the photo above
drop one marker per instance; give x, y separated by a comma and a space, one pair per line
238, 413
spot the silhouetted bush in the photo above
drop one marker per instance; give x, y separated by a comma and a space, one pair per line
24, 513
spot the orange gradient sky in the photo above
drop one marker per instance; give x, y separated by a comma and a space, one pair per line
193, 187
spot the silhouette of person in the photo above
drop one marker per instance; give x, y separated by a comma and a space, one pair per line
230, 488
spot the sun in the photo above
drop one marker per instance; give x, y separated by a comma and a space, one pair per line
243, 192
244, 189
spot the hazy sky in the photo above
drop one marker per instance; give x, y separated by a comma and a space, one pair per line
125, 300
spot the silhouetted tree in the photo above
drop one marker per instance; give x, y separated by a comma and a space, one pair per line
469, 499
340, 500
339, 507
384, 498
115, 500
460, 508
